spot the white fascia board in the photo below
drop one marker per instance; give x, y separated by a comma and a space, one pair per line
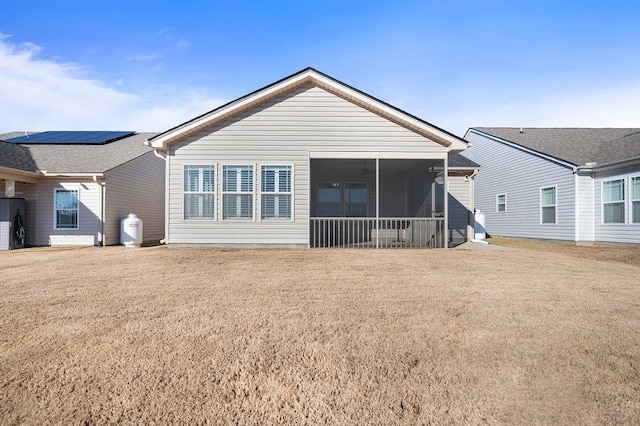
439, 136
207, 120
7, 173
573, 167
627, 162
410, 122
371, 155
72, 175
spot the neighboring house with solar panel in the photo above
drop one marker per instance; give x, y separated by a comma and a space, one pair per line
572, 184
79, 185
309, 161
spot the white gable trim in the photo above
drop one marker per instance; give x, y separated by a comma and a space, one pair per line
573, 167
162, 141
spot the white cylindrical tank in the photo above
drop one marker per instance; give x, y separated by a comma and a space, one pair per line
131, 231
479, 231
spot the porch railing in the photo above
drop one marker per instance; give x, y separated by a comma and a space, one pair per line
368, 232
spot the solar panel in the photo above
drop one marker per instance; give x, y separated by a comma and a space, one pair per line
70, 137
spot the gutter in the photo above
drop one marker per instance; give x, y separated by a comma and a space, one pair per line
163, 155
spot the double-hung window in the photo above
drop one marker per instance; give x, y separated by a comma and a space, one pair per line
548, 205
613, 203
199, 192
237, 192
276, 192
501, 202
635, 199
66, 207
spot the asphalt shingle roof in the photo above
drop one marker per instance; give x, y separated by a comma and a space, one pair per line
63, 158
574, 145
460, 160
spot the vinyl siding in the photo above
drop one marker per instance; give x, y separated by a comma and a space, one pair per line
29, 193
90, 225
138, 187
520, 175
586, 208
281, 131
459, 207
621, 233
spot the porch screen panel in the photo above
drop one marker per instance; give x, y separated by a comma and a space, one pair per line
355, 200
329, 203
276, 192
237, 192
199, 192
613, 201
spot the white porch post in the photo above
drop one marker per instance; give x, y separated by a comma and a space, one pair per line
377, 203
446, 202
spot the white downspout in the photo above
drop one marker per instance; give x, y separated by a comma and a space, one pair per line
103, 213
472, 206
166, 193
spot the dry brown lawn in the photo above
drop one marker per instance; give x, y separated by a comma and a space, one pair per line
194, 336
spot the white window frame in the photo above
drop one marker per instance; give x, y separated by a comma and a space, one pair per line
554, 205
632, 200
55, 209
260, 193
498, 203
201, 191
623, 201
252, 193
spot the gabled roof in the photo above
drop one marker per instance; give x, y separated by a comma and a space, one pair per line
577, 146
308, 76
459, 161
70, 158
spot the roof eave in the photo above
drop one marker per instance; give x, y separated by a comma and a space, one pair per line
163, 140
9, 173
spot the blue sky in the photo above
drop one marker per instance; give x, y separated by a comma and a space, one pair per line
150, 65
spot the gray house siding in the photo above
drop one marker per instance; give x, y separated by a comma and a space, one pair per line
586, 208
138, 187
622, 233
520, 175
460, 207
284, 131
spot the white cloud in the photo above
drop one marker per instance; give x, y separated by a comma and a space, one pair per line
38, 94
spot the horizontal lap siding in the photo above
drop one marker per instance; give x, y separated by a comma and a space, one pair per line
283, 131
586, 208
137, 187
459, 207
621, 233
28, 192
505, 169
90, 224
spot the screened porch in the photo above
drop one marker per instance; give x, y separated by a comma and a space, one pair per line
384, 203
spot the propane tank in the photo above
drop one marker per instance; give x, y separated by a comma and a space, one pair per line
131, 231
479, 231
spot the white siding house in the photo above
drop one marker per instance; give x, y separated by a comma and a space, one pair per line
567, 184
307, 162
77, 193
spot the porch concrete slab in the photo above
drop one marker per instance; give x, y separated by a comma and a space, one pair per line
469, 245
